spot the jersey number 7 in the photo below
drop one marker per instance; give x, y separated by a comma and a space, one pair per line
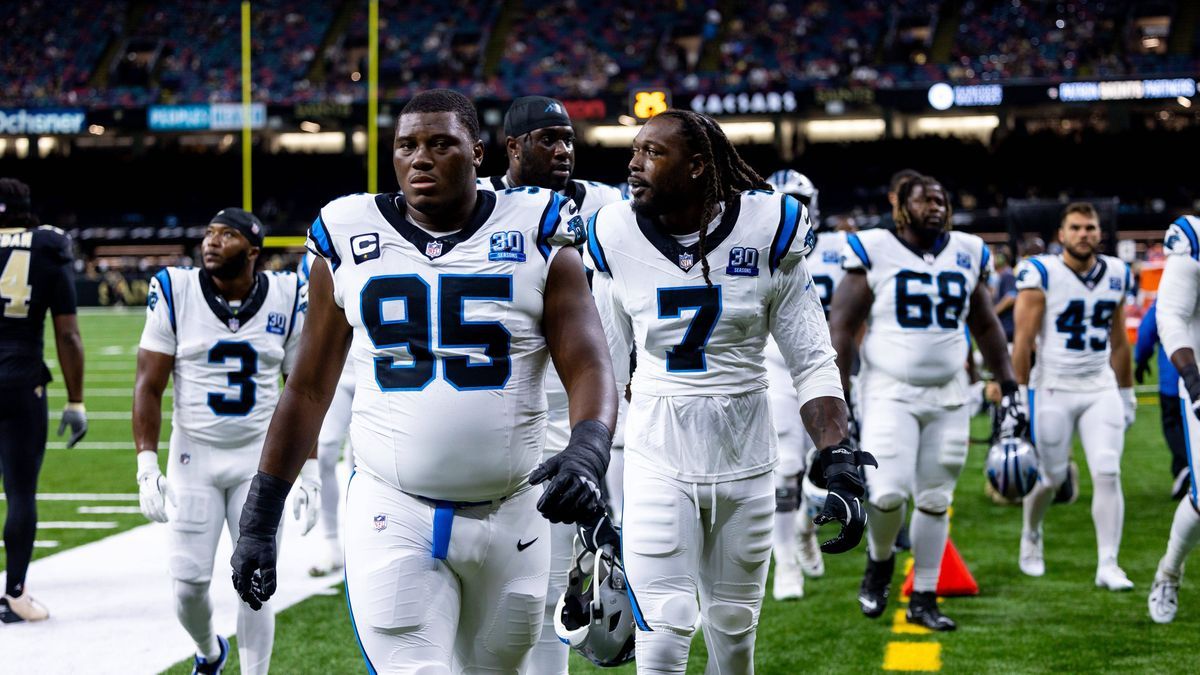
688, 356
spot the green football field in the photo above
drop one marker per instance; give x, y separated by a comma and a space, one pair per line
1059, 623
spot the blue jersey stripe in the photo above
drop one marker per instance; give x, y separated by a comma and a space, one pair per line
320, 236
985, 260
856, 245
594, 248
1190, 233
164, 280
1041, 270
788, 224
350, 607
550, 220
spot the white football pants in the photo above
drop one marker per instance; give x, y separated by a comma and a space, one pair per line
335, 431
436, 590
209, 486
696, 551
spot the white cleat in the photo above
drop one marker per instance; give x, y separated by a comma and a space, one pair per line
809, 554
1164, 598
1109, 576
329, 562
1032, 562
789, 581
22, 608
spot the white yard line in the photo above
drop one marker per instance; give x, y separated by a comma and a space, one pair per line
112, 606
85, 497
91, 445
106, 510
77, 525
40, 543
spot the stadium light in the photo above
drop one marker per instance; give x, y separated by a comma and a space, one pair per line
971, 126
96, 130
867, 129
1184, 101
619, 136
310, 127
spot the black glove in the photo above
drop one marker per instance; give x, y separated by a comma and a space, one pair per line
1191, 381
839, 469
1011, 420
1142, 370
254, 557
575, 474
598, 533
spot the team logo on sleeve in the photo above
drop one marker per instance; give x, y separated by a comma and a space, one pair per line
364, 247
152, 300
1172, 240
743, 262
433, 249
575, 227
276, 323
963, 260
507, 247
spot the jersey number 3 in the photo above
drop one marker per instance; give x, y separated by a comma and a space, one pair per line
242, 378
413, 331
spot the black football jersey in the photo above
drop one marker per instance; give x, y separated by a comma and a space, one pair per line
35, 275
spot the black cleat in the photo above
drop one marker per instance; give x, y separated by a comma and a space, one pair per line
923, 611
873, 594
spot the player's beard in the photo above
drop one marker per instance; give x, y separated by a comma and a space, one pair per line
1082, 251
662, 199
927, 234
543, 175
232, 268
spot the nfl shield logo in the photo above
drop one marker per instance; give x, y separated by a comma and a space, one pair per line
234, 324
380, 522
185, 458
433, 249
685, 261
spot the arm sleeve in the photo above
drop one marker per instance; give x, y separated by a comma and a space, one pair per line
158, 335
292, 345
798, 325
618, 327
1147, 335
1177, 302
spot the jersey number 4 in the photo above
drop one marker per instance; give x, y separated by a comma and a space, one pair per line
688, 356
14, 285
413, 331
1071, 322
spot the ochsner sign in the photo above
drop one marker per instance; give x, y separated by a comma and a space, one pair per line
23, 121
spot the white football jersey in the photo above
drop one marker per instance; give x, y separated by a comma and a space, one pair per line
693, 339
448, 350
227, 360
825, 264
1179, 290
916, 341
1072, 346
588, 197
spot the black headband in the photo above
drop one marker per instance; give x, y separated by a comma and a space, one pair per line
243, 221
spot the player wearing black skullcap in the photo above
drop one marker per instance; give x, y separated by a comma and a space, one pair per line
35, 276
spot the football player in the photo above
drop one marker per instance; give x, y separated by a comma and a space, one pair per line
449, 300
917, 288
540, 143
36, 277
1179, 329
695, 272
226, 333
796, 550
1070, 308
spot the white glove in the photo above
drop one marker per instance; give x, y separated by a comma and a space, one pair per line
1130, 401
153, 491
306, 505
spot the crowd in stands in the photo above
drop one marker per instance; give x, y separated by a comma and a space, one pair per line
96, 53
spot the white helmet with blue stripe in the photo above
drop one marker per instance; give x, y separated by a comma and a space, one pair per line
1012, 467
796, 184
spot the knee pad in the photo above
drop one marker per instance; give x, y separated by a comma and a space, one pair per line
934, 502
187, 592
188, 569
732, 620
678, 615
887, 501
394, 597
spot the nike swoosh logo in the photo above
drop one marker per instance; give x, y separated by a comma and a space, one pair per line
869, 604
522, 545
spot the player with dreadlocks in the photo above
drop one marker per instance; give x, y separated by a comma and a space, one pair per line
700, 447
917, 288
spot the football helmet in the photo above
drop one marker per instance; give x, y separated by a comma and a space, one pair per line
595, 614
796, 184
1012, 467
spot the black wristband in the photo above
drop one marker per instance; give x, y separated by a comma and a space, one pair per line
1191, 380
1009, 388
594, 437
264, 505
